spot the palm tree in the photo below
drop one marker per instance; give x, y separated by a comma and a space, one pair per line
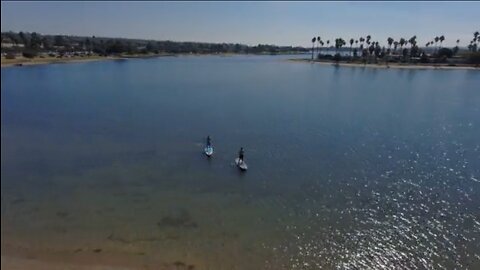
351, 44
318, 46
362, 40
390, 42
476, 39
436, 41
455, 49
442, 38
371, 48
412, 41
339, 42
356, 47
313, 45
377, 49
402, 42
395, 45
367, 40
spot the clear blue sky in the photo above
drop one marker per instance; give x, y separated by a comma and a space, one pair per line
281, 23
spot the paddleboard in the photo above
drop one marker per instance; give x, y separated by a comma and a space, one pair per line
241, 165
208, 151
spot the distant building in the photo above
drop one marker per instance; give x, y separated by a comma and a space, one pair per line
6, 44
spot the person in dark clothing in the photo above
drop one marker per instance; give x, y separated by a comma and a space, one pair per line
240, 155
209, 141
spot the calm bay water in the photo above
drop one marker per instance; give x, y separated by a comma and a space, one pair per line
350, 168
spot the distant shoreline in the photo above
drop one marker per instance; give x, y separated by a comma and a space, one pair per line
391, 65
22, 61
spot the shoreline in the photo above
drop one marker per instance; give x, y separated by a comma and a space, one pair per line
53, 61
390, 65
20, 62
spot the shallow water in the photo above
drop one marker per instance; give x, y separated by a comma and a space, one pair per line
349, 167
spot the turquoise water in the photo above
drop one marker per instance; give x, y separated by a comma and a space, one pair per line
349, 167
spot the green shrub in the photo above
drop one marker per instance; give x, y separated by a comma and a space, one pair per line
445, 52
424, 58
474, 58
337, 57
29, 53
440, 60
10, 56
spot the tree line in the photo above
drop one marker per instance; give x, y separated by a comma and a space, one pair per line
34, 43
365, 47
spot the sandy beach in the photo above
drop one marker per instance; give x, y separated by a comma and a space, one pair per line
22, 61
391, 65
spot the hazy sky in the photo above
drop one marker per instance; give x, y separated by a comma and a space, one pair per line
281, 23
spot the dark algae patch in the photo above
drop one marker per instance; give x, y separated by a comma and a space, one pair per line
180, 218
122, 240
181, 265
62, 214
18, 200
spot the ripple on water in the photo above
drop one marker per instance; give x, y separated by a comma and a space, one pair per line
419, 214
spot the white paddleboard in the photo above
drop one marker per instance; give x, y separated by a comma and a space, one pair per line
208, 151
241, 165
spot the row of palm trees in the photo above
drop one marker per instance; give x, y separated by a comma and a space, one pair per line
473, 46
367, 45
339, 43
